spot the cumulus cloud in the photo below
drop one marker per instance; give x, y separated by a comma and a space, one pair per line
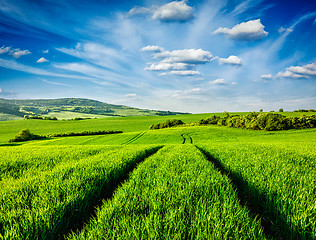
46, 51
190, 56
16, 53
219, 81
266, 76
231, 60
182, 73
178, 62
174, 11
296, 72
42, 60
152, 48
246, 31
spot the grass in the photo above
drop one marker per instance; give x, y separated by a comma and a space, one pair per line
175, 194
47, 204
280, 181
238, 184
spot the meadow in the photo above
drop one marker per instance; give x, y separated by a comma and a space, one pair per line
192, 182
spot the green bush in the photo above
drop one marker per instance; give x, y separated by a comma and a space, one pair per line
261, 121
25, 135
167, 124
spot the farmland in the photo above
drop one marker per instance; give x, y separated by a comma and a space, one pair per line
189, 182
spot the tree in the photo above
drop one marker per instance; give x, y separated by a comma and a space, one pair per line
281, 110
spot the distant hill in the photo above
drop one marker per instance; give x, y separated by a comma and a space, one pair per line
68, 108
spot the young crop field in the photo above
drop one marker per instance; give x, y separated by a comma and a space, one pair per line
187, 182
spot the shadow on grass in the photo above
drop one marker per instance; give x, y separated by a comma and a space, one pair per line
78, 213
259, 204
10, 144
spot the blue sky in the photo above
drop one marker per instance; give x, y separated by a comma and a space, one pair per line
193, 56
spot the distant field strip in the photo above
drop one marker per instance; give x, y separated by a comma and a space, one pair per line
52, 202
174, 194
278, 183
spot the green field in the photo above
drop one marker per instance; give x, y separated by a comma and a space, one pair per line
193, 182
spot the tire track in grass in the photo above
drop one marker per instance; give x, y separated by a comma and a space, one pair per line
270, 223
106, 193
187, 139
133, 139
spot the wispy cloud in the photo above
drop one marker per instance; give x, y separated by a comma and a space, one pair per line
11, 64
56, 83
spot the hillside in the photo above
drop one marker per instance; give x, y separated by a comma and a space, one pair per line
68, 108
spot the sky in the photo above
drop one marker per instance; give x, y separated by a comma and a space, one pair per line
188, 56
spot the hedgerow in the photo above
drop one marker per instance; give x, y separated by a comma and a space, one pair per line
167, 124
261, 121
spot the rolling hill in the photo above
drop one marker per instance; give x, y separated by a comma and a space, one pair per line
70, 108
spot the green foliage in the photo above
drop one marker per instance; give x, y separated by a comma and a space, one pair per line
25, 135
281, 110
84, 133
167, 124
10, 108
305, 110
39, 117
262, 121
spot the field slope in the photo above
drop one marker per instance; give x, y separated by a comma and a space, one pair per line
192, 182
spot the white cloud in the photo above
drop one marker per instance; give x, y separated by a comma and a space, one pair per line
55, 83
289, 74
247, 31
285, 30
139, 11
309, 69
231, 60
173, 11
1, 90
152, 48
219, 81
178, 62
16, 53
42, 60
297, 72
131, 95
46, 51
266, 76
234, 83
11, 64
162, 66
182, 73
191, 56
4, 49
